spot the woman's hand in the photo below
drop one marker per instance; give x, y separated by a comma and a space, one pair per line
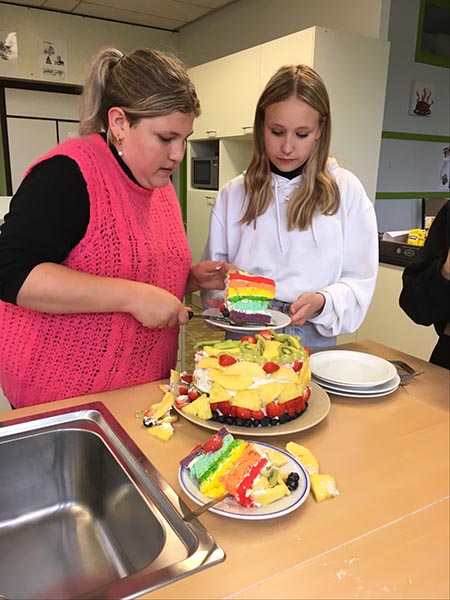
208, 275
155, 308
306, 305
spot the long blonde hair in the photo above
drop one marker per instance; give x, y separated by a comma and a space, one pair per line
318, 191
144, 83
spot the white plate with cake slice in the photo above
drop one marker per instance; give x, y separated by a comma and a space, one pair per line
230, 508
318, 408
279, 320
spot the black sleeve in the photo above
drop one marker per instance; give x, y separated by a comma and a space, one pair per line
425, 293
48, 216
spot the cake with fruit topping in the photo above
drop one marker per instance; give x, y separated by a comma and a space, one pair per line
262, 380
250, 472
248, 297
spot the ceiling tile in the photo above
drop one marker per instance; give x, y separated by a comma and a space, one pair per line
126, 16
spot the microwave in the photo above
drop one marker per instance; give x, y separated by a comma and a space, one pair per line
205, 172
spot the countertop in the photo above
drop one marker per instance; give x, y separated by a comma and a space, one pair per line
385, 536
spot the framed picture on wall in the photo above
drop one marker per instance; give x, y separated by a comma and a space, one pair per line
433, 33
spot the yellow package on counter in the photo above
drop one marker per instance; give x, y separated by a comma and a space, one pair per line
417, 237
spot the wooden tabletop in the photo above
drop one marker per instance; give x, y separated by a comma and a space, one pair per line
385, 536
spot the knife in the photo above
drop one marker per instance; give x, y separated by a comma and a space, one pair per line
229, 321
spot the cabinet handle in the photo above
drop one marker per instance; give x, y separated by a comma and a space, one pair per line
210, 200
212, 133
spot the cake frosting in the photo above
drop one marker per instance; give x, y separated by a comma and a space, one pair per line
248, 297
262, 380
249, 472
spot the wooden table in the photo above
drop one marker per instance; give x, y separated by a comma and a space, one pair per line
385, 536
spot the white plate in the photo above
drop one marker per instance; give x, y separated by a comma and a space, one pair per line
387, 387
358, 394
279, 319
318, 408
355, 369
230, 508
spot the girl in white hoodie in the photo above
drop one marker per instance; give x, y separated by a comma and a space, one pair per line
299, 218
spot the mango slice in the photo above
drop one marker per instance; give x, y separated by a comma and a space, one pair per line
305, 456
323, 487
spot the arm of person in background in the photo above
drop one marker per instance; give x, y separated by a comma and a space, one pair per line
426, 282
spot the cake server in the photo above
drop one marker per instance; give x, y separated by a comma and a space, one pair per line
199, 511
228, 320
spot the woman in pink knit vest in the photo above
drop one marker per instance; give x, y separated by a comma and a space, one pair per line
94, 260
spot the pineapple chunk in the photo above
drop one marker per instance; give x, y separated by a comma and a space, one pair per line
245, 367
305, 456
174, 376
290, 391
275, 457
159, 410
162, 432
269, 391
218, 394
271, 349
209, 362
285, 374
269, 495
199, 408
323, 487
247, 399
231, 382
305, 375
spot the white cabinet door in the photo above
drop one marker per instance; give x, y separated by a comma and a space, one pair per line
228, 91
199, 205
297, 48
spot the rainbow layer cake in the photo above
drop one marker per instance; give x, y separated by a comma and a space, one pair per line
250, 472
262, 380
248, 297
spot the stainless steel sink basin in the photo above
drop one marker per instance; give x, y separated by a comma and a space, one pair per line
84, 514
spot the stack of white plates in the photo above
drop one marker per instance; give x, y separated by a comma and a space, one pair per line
354, 374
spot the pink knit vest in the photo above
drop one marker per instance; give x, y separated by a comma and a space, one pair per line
133, 233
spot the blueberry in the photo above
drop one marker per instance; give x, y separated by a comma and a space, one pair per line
274, 422
221, 419
292, 485
215, 415
256, 422
239, 422
284, 418
229, 420
248, 422
294, 476
265, 421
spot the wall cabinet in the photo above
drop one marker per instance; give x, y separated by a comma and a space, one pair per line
354, 69
199, 205
228, 90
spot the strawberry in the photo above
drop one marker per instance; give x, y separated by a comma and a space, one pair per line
265, 333
297, 366
225, 408
213, 444
308, 350
180, 403
258, 415
225, 360
306, 394
290, 407
213, 405
270, 367
243, 413
274, 410
233, 411
193, 395
185, 378
182, 390
248, 338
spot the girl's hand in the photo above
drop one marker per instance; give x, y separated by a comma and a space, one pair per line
156, 308
208, 275
306, 305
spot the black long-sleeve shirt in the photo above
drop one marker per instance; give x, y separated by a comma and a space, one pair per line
48, 216
425, 296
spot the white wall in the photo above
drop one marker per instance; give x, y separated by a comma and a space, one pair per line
409, 166
84, 37
248, 23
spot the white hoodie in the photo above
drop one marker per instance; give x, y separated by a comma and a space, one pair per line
337, 255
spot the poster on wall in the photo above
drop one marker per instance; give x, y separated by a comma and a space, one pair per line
53, 60
421, 99
444, 179
9, 55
